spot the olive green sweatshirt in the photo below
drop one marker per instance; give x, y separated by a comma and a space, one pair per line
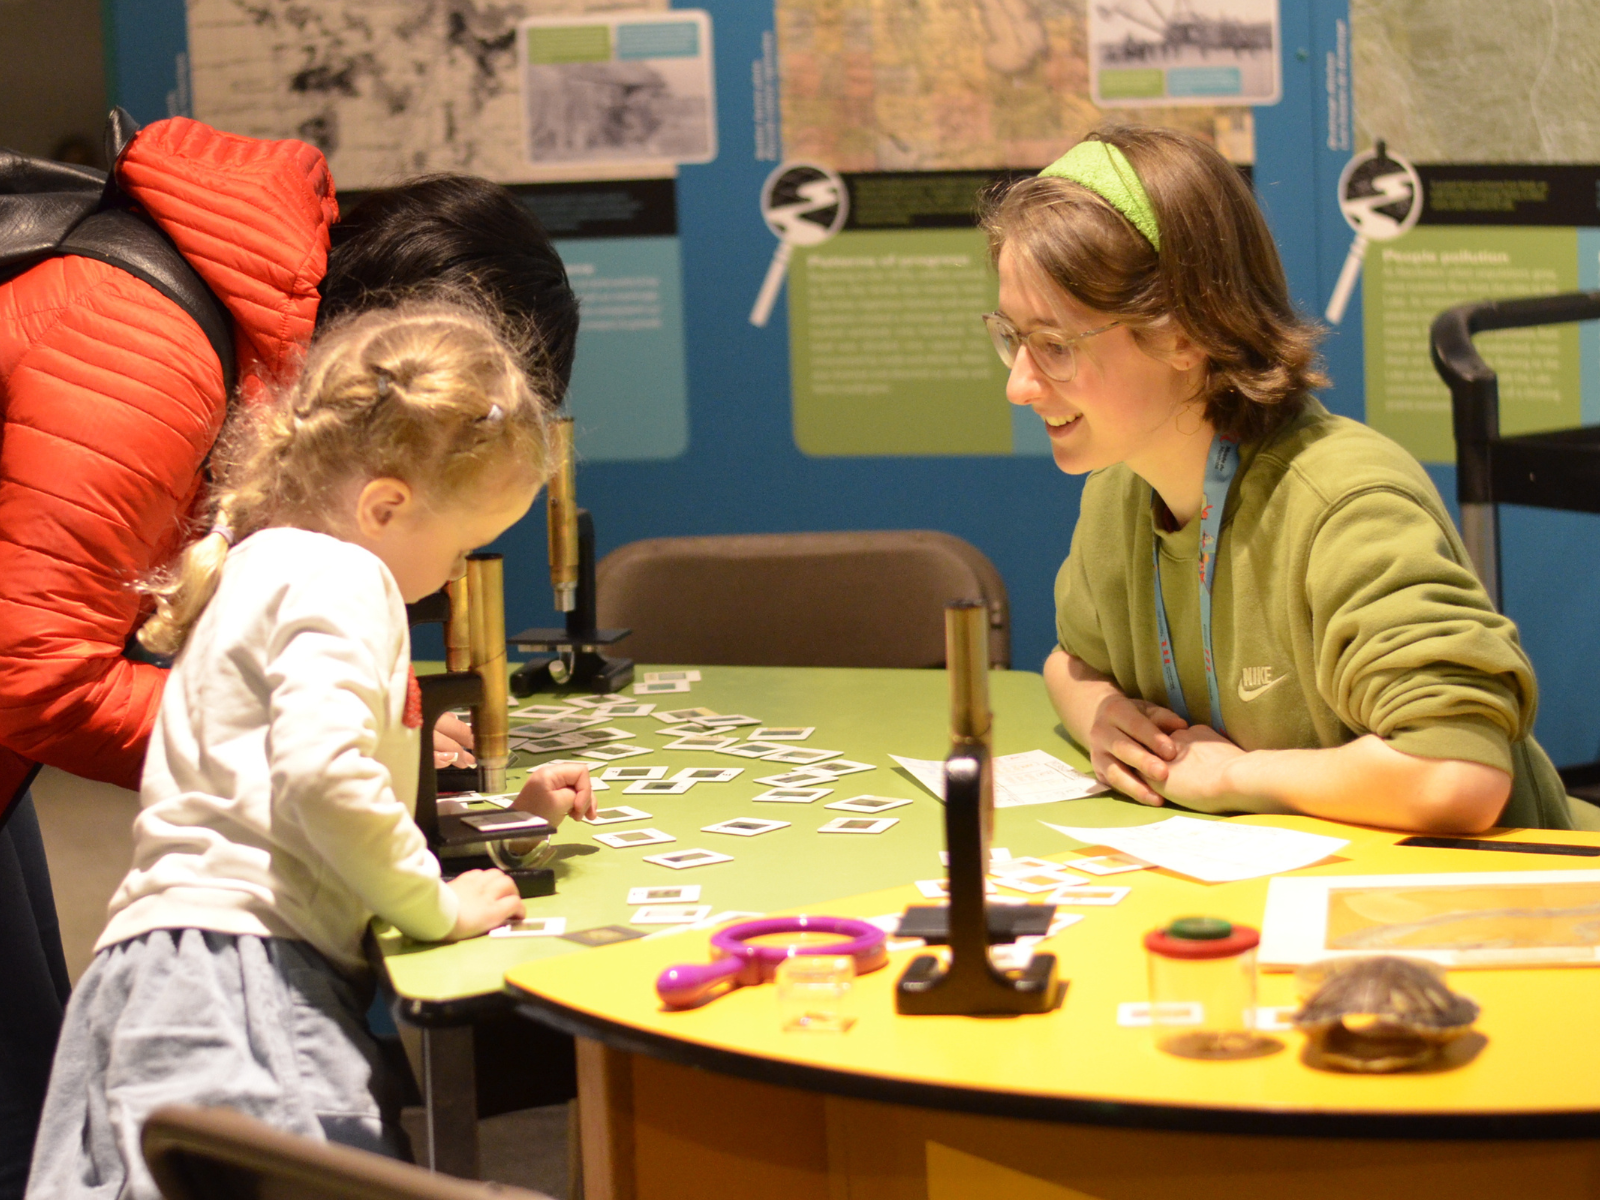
1344, 604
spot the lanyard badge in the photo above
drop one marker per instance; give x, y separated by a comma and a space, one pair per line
1222, 463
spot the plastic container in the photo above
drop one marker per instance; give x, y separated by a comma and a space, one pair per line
1203, 989
812, 990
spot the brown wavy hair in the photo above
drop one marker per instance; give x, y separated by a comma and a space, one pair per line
1217, 274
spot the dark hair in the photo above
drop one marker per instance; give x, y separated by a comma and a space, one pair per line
1217, 273
458, 235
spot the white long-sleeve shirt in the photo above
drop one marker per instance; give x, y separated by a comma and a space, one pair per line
281, 778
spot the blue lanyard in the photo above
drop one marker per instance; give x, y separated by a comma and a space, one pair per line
1221, 463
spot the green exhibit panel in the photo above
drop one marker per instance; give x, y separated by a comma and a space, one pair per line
1411, 280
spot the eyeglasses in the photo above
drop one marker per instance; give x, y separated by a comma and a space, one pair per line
1052, 350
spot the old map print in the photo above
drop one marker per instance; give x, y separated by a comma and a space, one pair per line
385, 88
928, 85
1475, 81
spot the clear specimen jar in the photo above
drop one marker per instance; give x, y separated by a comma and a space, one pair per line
1203, 989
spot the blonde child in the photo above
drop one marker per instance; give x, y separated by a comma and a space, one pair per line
1266, 608
278, 791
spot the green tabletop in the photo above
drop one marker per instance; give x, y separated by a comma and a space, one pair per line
867, 715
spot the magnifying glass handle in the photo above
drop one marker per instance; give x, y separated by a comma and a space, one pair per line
768, 294
689, 984
1347, 280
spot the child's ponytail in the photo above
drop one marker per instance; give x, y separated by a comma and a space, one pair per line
430, 393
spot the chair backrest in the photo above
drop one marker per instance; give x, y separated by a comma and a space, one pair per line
864, 599
216, 1154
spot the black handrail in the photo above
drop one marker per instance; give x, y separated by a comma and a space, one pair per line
1474, 386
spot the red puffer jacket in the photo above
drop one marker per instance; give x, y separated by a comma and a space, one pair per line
110, 399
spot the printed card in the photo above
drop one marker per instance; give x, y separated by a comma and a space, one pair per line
751, 749
744, 827
614, 751
868, 804
613, 712
556, 725
608, 734
671, 914
603, 935
1035, 882
790, 795
844, 766
1077, 894
672, 676
561, 741
532, 927
728, 721
1108, 864
798, 757
701, 743
710, 774
1022, 864
659, 787
677, 716
675, 893
633, 774
617, 815
859, 824
688, 729
506, 822
545, 712
626, 838
665, 685
806, 776
600, 701
679, 860
783, 733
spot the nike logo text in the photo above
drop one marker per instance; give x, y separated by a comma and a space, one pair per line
1255, 680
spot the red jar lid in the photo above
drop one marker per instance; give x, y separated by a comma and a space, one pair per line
1201, 937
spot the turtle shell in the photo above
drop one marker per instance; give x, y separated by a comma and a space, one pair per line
1381, 1014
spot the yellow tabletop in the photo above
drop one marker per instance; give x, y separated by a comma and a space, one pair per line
1542, 1054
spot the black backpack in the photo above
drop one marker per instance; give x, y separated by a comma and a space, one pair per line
50, 209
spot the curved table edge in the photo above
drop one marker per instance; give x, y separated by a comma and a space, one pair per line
1475, 1126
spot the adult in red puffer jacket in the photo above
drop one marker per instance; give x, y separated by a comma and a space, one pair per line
110, 399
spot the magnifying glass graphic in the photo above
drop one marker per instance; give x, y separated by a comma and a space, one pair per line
1380, 195
749, 953
804, 205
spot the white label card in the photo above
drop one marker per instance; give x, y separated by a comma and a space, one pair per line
674, 893
783, 733
618, 815
710, 774
701, 743
672, 677
633, 774
744, 826
664, 685
868, 804
614, 751
671, 914
679, 860
532, 927
794, 795
625, 838
859, 824
658, 787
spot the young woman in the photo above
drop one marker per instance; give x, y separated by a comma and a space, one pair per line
279, 786
1266, 608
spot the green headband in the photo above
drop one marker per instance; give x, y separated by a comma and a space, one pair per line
1105, 170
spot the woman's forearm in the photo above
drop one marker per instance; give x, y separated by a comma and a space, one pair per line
1077, 690
1367, 782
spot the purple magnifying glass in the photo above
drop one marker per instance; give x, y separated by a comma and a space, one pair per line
738, 959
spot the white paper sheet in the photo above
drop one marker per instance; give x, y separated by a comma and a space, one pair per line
1213, 851
1032, 777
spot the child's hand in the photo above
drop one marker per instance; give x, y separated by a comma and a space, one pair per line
488, 899
556, 790
452, 742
